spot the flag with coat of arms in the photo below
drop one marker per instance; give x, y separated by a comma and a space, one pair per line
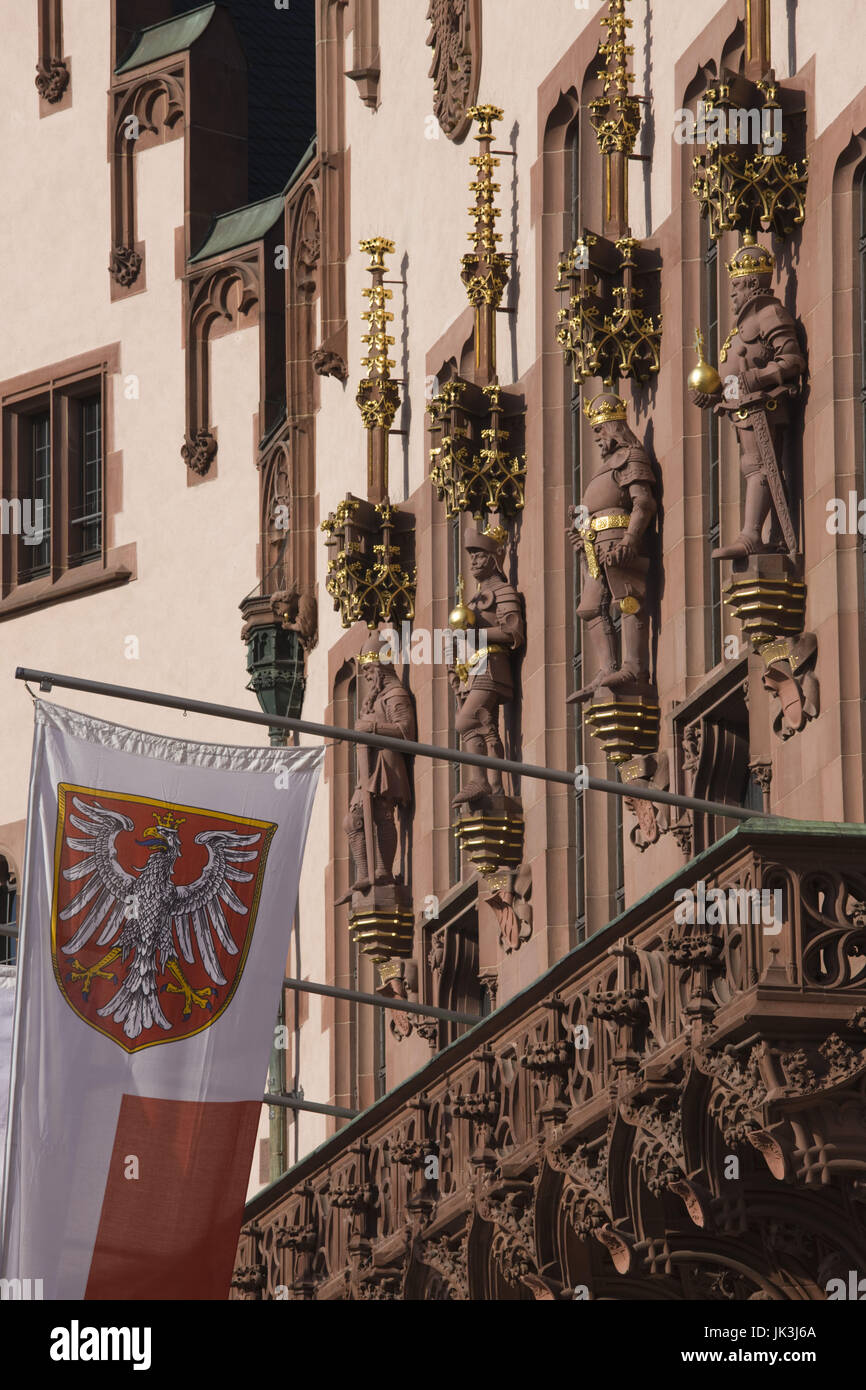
160, 884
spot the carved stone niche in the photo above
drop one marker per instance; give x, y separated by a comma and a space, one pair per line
712, 758
455, 38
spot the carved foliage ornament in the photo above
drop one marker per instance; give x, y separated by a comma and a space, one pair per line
455, 38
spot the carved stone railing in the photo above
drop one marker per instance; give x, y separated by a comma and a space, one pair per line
676, 1109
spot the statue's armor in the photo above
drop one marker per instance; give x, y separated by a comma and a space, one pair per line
386, 783
765, 344
608, 495
496, 604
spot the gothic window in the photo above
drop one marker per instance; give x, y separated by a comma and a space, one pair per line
711, 444
861, 262
454, 570
573, 208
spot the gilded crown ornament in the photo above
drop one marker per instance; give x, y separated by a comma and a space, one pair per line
751, 258
612, 407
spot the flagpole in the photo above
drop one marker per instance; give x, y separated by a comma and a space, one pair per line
47, 679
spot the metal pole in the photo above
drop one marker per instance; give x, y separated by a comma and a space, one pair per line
404, 1005
8, 931
291, 1104
397, 745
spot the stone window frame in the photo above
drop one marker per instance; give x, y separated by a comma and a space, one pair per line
57, 386
53, 68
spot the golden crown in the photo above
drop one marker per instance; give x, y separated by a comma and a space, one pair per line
612, 408
751, 258
168, 821
365, 658
496, 533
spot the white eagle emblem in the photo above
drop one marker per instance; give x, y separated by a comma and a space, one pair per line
157, 919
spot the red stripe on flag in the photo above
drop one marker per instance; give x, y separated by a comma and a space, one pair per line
172, 1231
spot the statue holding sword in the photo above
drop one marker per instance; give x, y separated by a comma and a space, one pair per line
765, 371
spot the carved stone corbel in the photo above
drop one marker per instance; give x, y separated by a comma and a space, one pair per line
52, 69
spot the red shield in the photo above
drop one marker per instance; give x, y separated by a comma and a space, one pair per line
153, 910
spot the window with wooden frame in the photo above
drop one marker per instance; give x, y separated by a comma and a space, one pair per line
54, 520
55, 482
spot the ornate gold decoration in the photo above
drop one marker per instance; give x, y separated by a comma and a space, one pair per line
607, 411
625, 342
741, 185
367, 580
704, 377
378, 396
750, 258
615, 115
491, 839
588, 533
485, 270
384, 925
626, 727
461, 617
772, 610
474, 468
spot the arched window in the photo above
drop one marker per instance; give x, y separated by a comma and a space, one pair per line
573, 211
711, 444
861, 265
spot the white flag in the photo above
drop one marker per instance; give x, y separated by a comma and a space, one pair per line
160, 885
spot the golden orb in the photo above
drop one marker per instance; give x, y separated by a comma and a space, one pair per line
460, 617
703, 377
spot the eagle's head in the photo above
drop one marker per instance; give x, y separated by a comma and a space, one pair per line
164, 837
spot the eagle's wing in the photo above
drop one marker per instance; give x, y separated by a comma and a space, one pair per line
201, 905
104, 878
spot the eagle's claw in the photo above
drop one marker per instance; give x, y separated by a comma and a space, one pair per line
191, 996
79, 974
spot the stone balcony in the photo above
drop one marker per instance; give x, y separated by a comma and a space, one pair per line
675, 1110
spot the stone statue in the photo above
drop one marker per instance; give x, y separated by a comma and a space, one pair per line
486, 682
610, 528
383, 779
765, 371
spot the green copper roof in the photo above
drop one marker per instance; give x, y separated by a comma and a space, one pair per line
243, 225
239, 227
169, 36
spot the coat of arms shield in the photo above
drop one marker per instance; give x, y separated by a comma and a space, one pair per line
153, 909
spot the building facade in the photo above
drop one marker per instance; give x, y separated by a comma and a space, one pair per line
663, 1097
376, 321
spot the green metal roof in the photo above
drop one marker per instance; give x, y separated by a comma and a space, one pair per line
169, 36
250, 223
239, 227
